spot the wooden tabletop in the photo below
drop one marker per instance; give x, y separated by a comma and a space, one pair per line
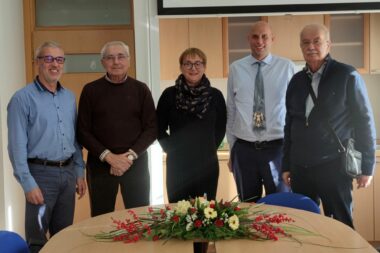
333, 236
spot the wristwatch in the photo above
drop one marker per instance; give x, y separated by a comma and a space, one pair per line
131, 157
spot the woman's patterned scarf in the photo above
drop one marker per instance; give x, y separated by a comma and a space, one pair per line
193, 100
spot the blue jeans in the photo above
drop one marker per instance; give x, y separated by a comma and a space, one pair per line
58, 186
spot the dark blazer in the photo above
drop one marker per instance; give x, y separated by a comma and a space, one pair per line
343, 100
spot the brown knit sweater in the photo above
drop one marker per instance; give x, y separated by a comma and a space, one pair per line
117, 117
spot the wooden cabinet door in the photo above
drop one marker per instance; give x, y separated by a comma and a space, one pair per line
206, 34
226, 183
81, 42
363, 210
174, 39
374, 50
376, 184
176, 35
286, 30
349, 34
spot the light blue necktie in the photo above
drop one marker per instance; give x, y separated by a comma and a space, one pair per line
258, 101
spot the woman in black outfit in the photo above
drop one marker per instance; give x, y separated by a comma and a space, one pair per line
191, 124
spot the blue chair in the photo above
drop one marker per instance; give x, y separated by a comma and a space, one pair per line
10, 242
290, 199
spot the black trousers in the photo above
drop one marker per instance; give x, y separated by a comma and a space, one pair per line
254, 166
327, 183
134, 184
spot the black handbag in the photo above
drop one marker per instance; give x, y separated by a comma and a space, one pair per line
351, 159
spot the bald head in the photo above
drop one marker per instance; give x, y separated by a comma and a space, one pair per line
260, 39
259, 25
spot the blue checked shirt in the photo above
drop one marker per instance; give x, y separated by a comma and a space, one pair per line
41, 125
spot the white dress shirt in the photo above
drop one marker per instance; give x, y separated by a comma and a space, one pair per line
277, 72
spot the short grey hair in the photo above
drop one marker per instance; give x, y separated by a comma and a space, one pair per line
46, 44
113, 43
318, 27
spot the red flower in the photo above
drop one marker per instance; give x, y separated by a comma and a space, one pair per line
219, 223
198, 223
175, 218
212, 205
155, 238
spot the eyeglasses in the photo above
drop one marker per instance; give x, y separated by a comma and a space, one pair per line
50, 59
307, 43
189, 65
119, 57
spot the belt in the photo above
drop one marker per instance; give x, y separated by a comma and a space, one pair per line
45, 162
262, 144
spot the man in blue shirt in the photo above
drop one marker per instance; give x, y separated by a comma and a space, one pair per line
46, 159
256, 138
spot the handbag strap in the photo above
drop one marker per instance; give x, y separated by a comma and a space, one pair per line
336, 138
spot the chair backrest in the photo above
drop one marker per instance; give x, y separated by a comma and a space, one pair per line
289, 199
10, 242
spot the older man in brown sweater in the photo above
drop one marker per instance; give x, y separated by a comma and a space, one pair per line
116, 124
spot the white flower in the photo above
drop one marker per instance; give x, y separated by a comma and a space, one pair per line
194, 216
233, 222
182, 207
210, 213
188, 218
189, 226
201, 200
169, 214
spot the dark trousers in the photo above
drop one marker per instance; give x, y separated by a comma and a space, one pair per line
134, 185
328, 183
58, 188
254, 166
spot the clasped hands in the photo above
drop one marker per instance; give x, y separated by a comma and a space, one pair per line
120, 163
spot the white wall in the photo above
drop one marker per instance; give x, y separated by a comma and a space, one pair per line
148, 70
12, 77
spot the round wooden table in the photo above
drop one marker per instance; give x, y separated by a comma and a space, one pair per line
333, 237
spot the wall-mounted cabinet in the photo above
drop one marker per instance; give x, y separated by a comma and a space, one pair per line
286, 30
366, 210
178, 34
237, 31
374, 45
376, 198
224, 40
350, 39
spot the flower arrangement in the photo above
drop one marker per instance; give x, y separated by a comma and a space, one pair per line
199, 219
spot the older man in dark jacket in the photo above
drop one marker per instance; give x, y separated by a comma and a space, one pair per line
312, 162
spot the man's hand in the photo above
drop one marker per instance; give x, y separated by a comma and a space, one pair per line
35, 196
116, 172
363, 181
81, 187
286, 177
119, 162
